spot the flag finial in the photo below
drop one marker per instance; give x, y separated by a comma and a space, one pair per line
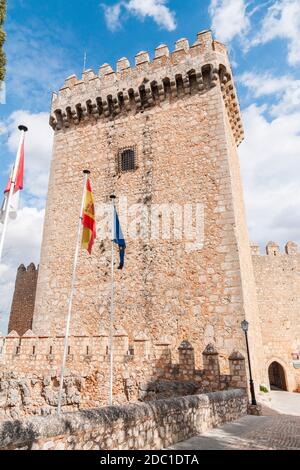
23, 128
113, 196
86, 172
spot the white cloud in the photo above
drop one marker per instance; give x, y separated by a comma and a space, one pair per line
38, 146
270, 159
282, 21
290, 101
155, 9
285, 89
112, 16
22, 245
264, 84
229, 19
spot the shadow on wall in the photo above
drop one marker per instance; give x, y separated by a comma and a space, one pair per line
182, 379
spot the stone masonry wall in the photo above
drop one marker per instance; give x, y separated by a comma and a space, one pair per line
247, 294
278, 287
152, 426
180, 134
30, 373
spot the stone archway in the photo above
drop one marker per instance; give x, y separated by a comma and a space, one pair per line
277, 376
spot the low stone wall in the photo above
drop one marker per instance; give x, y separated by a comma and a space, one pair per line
154, 425
29, 383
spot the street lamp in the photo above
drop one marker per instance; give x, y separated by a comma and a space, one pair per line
245, 327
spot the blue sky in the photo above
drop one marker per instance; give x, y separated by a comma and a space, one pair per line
46, 43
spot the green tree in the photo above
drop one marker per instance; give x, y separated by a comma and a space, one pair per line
2, 39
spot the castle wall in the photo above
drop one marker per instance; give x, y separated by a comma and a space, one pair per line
183, 156
22, 309
30, 372
278, 285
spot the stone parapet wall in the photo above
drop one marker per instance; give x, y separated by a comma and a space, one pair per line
154, 425
30, 377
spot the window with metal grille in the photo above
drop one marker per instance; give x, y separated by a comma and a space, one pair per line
127, 160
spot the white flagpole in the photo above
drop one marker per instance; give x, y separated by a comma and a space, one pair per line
67, 332
112, 309
23, 129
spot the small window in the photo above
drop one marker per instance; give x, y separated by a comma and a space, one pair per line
127, 160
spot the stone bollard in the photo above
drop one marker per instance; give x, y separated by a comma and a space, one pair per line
237, 370
211, 367
186, 361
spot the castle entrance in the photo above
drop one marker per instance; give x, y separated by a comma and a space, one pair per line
277, 377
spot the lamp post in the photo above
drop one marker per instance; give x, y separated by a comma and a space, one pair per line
245, 327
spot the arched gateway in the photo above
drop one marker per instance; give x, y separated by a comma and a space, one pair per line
277, 376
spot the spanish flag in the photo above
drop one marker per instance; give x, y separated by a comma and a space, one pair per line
88, 220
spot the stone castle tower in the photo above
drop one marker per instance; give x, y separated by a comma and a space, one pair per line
23, 300
177, 120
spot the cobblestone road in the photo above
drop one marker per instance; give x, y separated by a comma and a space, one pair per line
255, 433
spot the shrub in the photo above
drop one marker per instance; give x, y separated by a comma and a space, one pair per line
2, 39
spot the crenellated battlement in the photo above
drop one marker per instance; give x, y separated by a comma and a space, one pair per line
35, 354
110, 94
30, 372
22, 269
23, 350
273, 249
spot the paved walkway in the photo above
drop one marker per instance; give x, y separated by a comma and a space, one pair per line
279, 428
249, 433
283, 402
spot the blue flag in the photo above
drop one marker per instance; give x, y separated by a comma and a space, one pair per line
119, 240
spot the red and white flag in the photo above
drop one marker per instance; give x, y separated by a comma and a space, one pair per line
19, 184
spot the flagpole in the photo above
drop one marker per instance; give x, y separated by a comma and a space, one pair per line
67, 332
112, 309
23, 129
